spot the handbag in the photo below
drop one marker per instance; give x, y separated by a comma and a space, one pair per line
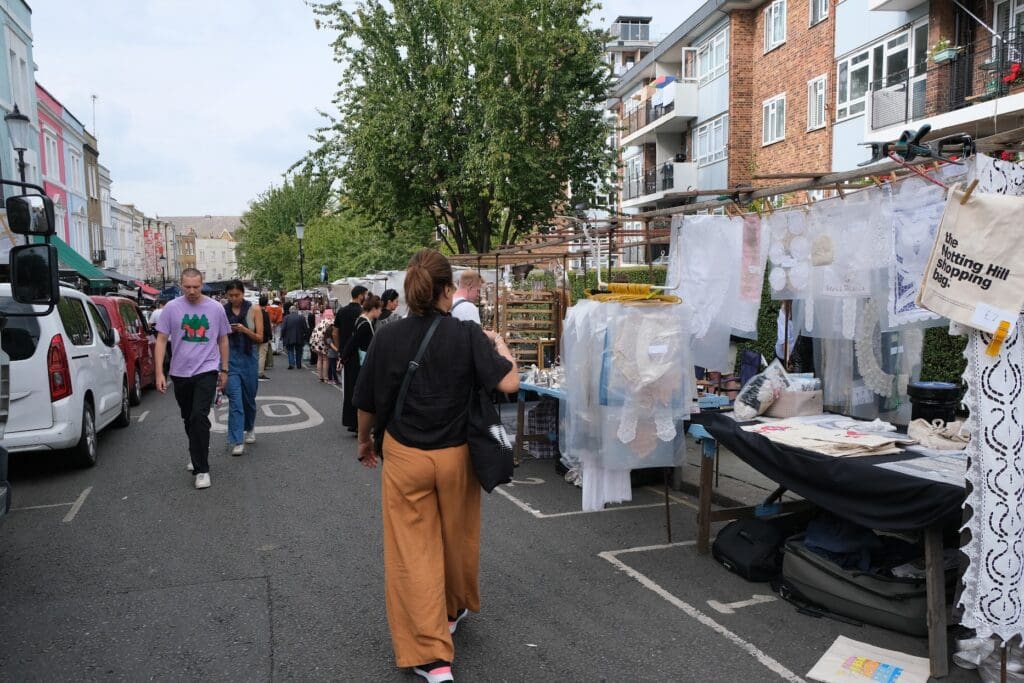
490, 449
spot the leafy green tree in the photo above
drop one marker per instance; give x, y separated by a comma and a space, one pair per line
267, 247
475, 114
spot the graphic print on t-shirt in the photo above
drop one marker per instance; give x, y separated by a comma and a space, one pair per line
195, 328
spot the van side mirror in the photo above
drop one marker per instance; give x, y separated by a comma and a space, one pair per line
31, 214
34, 274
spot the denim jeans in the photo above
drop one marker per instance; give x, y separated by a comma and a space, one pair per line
243, 369
294, 355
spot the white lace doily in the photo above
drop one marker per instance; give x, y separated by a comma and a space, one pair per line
993, 597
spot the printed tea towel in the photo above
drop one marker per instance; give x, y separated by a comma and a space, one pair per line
975, 275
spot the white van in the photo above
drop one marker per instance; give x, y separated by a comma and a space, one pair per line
67, 377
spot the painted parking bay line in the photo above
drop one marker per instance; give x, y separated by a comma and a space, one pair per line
526, 507
731, 607
275, 408
773, 665
75, 506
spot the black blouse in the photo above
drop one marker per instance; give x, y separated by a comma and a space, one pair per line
459, 358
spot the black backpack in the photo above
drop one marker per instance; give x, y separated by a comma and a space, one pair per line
751, 548
268, 334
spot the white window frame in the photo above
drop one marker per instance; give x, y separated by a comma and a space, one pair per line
817, 97
711, 141
773, 120
51, 156
844, 102
772, 14
77, 172
19, 70
713, 57
822, 7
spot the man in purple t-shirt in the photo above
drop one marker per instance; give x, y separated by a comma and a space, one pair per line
198, 329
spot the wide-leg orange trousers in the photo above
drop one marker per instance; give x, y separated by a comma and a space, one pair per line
431, 511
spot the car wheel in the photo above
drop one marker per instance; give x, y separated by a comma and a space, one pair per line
84, 452
136, 394
124, 418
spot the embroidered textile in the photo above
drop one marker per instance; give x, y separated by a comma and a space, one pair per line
993, 597
997, 176
916, 211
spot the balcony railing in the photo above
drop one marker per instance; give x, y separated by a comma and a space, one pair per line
639, 117
651, 181
981, 71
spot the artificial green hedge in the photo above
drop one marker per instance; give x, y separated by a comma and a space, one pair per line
942, 359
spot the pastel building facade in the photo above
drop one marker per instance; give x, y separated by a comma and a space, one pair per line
17, 87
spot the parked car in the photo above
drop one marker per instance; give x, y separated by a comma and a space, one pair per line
67, 377
137, 341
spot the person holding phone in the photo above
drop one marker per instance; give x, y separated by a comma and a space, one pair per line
246, 322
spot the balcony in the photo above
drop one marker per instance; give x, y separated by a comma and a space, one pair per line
955, 92
658, 183
672, 115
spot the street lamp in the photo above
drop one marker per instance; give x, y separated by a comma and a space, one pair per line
19, 127
163, 273
300, 230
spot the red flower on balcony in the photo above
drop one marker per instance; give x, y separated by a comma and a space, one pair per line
1014, 75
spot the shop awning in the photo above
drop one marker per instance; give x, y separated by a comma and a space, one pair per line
120, 277
146, 289
72, 260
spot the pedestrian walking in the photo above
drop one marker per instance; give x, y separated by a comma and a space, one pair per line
389, 302
430, 497
353, 353
344, 324
293, 335
276, 314
318, 346
311, 321
464, 303
246, 322
265, 351
198, 330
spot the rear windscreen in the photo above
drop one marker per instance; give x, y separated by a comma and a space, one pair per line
20, 336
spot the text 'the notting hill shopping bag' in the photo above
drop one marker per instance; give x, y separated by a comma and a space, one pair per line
975, 275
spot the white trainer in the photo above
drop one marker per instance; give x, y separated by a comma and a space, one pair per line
238, 449
203, 480
250, 437
189, 466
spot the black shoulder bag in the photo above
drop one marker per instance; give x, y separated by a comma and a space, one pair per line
490, 449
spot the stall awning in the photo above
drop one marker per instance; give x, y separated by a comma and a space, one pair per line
148, 292
119, 277
71, 259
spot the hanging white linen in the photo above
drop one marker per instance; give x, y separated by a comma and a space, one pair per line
993, 597
917, 208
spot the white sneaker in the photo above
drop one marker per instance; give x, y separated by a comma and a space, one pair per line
203, 480
250, 437
238, 449
189, 466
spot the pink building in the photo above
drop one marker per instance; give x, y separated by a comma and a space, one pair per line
51, 156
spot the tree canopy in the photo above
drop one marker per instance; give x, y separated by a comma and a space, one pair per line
475, 114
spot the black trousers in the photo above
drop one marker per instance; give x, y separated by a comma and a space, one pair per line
195, 397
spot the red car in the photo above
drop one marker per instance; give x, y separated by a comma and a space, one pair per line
123, 315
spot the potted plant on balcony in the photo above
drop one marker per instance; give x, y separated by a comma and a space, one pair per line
944, 51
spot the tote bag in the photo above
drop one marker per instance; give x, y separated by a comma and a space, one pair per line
975, 275
490, 449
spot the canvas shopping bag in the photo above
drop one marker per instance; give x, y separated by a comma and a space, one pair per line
975, 275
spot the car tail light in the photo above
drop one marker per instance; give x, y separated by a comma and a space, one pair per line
58, 369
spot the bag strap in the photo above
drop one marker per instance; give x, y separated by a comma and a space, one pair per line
414, 365
459, 303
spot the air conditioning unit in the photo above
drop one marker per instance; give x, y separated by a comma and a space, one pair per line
99, 256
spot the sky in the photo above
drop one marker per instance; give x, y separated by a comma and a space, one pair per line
201, 105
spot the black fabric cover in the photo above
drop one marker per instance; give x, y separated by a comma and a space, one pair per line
852, 488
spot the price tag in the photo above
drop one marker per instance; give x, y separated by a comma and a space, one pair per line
988, 318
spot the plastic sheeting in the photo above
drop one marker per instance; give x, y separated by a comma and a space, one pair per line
629, 386
718, 263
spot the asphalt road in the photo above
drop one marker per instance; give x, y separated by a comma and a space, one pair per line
126, 572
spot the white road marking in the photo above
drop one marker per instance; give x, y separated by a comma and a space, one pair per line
76, 506
771, 664
528, 481
549, 515
41, 507
269, 409
142, 415
676, 499
301, 406
731, 607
